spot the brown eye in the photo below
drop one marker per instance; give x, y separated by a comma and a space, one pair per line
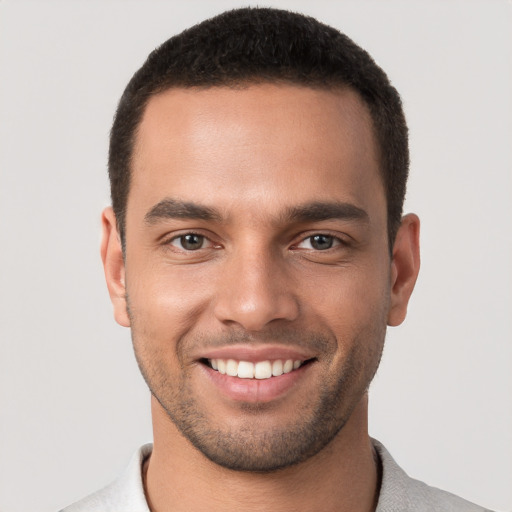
321, 242
189, 242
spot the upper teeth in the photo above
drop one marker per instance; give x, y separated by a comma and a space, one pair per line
259, 370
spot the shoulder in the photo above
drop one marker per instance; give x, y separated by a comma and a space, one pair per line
401, 493
126, 494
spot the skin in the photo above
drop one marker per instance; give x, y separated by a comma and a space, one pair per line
254, 158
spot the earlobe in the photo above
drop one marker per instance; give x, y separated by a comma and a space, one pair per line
113, 265
405, 266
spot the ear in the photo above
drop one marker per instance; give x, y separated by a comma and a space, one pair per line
405, 266
113, 264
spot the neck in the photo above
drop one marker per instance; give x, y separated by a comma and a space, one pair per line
342, 477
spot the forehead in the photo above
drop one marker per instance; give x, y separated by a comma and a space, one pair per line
288, 143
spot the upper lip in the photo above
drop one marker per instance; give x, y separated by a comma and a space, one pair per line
256, 353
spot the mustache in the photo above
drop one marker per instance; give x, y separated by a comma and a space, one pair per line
286, 336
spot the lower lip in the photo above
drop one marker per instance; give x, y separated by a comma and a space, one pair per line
255, 390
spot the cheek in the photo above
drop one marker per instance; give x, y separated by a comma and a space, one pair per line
352, 294
353, 306
165, 301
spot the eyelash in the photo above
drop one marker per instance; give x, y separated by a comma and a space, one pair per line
188, 233
336, 241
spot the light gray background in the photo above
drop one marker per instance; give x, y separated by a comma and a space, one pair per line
72, 404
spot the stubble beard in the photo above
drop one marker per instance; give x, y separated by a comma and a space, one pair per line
251, 446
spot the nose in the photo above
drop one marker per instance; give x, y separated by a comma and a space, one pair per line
256, 288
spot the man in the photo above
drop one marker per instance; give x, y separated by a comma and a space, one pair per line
257, 250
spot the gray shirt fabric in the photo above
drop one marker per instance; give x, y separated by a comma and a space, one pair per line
398, 492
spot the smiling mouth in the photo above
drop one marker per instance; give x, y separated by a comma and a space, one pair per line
255, 370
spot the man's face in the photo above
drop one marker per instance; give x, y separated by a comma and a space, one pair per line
256, 240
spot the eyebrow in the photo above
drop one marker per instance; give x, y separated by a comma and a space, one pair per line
175, 209
169, 208
319, 211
